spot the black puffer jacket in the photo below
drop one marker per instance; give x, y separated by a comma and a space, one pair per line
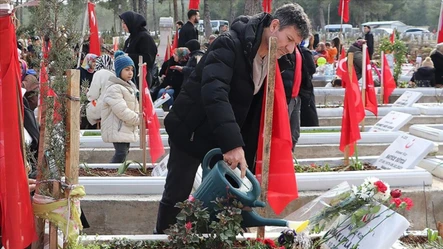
139, 41
437, 59
217, 102
424, 77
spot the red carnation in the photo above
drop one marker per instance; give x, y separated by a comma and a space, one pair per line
381, 187
396, 193
397, 202
191, 198
188, 226
409, 203
270, 243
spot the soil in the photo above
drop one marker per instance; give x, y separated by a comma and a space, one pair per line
326, 168
111, 172
413, 239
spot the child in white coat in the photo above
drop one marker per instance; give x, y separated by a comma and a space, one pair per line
120, 110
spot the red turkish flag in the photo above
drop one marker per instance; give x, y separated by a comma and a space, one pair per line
392, 37
353, 112
282, 186
94, 42
194, 4
440, 25
370, 96
16, 214
46, 91
156, 148
267, 6
343, 10
341, 72
388, 81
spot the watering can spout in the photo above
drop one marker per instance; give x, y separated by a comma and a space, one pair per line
252, 219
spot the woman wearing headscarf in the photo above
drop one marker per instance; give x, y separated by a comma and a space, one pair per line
357, 48
172, 75
104, 69
87, 69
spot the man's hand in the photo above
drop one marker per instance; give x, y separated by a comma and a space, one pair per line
235, 157
32, 184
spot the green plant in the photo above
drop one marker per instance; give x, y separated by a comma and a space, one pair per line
91, 133
399, 50
125, 165
433, 236
87, 168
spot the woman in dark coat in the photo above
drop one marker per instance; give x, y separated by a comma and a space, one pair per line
139, 43
437, 58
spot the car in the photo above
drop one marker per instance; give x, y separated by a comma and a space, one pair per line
416, 31
215, 25
382, 31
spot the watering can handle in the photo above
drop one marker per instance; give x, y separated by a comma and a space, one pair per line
207, 159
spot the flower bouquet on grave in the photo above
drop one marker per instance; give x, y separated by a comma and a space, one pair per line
352, 208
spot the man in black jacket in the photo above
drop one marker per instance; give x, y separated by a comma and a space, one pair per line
369, 40
220, 104
188, 31
139, 41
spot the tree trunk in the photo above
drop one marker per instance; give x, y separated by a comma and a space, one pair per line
252, 7
154, 16
175, 10
134, 5
207, 19
170, 7
231, 11
321, 16
183, 10
142, 8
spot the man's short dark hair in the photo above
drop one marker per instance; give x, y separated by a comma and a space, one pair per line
293, 14
366, 26
192, 13
179, 23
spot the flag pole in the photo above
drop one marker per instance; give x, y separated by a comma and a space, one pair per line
142, 120
440, 21
350, 69
341, 20
381, 78
267, 129
82, 39
363, 85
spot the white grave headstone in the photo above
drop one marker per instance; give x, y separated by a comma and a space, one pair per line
404, 153
161, 168
382, 236
393, 121
408, 98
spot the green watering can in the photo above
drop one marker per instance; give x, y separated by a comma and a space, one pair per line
221, 178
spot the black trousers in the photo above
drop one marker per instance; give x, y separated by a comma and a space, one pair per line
179, 181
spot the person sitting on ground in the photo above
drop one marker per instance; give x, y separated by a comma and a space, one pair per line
172, 75
335, 83
437, 58
120, 110
321, 52
425, 75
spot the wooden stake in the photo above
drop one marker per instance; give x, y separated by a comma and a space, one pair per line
41, 164
267, 129
73, 130
142, 120
72, 126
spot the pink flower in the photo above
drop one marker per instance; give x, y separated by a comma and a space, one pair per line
313, 165
397, 202
188, 226
191, 198
409, 203
396, 193
381, 187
